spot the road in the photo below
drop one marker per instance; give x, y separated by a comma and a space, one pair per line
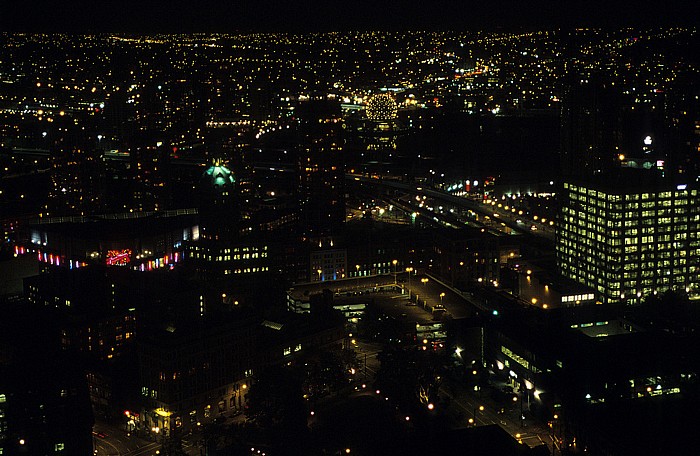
543, 237
116, 442
368, 362
468, 402
464, 401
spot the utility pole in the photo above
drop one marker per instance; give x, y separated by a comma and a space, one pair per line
365, 367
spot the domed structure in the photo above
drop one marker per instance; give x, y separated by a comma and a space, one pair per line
218, 206
381, 107
219, 177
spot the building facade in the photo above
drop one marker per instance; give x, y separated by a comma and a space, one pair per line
629, 241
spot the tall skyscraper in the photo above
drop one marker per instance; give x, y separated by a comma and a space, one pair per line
604, 125
320, 167
221, 246
150, 166
629, 235
77, 176
219, 214
589, 121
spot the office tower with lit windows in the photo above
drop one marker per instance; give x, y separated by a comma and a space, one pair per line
629, 235
218, 210
150, 164
222, 246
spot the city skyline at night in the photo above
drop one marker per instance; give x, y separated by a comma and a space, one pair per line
260, 229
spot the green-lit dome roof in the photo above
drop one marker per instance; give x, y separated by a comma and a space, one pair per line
219, 176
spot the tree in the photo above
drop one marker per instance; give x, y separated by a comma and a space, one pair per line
327, 370
276, 401
410, 376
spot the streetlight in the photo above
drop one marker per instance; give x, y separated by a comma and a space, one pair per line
319, 274
481, 409
409, 270
394, 263
442, 295
424, 280
522, 417
357, 268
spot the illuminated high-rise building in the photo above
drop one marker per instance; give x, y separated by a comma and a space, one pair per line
218, 213
150, 163
222, 246
630, 235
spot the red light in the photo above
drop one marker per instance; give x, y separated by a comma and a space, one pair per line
118, 257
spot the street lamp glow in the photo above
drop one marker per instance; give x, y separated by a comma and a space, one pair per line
431, 406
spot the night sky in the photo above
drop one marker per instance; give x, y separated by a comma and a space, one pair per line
316, 15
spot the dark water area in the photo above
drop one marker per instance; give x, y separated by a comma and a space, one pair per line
517, 148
